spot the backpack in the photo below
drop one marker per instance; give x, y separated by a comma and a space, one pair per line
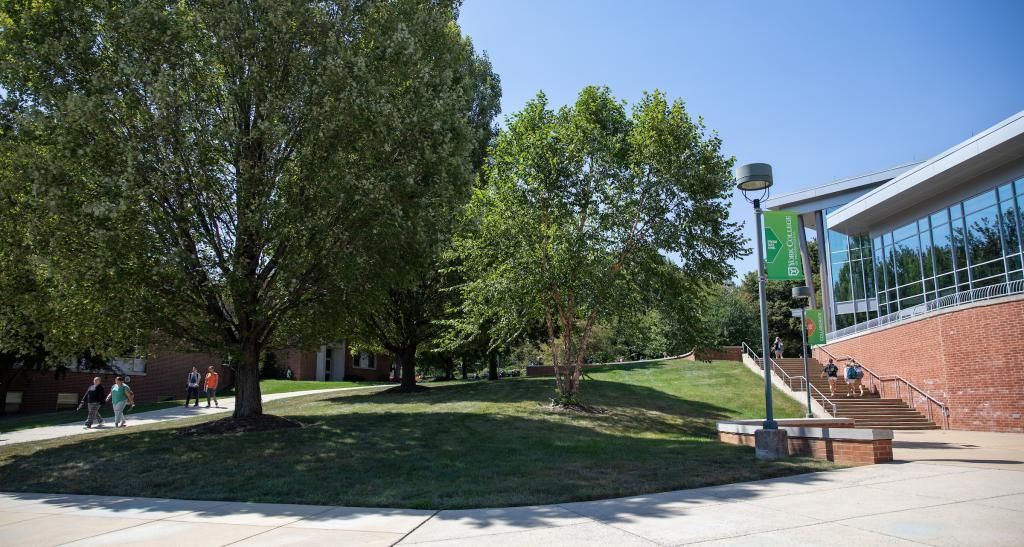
851, 373
858, 373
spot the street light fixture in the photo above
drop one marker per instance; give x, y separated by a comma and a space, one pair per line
756, 179
803, 294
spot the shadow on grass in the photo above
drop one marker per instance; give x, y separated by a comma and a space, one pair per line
600, 393
429, 460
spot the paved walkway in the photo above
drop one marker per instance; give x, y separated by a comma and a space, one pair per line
910, 503
227, 404
964, 448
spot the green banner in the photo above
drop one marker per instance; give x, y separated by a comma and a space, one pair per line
815, 327
782, 248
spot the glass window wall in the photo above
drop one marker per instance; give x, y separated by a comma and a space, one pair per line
975, 243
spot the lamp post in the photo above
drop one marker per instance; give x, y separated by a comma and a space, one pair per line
755, 179
803, 294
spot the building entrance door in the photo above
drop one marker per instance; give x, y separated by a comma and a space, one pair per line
330, 363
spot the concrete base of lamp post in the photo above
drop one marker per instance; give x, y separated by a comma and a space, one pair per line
771, 444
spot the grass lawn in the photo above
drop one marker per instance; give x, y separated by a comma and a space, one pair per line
457, 445
27, 421
269, 387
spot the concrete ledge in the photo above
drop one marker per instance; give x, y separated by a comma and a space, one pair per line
839, 443
799, 422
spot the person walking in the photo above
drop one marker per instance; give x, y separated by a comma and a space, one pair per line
858, 380
777, 347
831, 371
93, 398
850, 374
192, 386
212, 379
121, 395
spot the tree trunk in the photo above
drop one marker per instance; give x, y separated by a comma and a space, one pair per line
492, 365
406, 359
449, 368
248, 400
3, 399
463, 361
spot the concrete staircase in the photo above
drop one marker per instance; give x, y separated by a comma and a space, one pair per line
869, 411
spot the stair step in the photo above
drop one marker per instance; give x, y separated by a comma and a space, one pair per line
870, 411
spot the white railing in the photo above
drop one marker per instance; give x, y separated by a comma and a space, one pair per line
804, 383
949, 301
786, 377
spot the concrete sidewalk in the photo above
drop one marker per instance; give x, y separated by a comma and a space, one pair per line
966, 448
156, 416
895, 504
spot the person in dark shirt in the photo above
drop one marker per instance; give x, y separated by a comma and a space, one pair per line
832, 372
192, 386
94, 398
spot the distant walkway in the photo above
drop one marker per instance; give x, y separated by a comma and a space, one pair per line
227, 404
963, 448
892, 504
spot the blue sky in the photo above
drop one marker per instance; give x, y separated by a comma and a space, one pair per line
821, 90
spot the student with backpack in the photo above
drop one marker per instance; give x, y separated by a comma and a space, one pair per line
858, 378
777, 347
850, 374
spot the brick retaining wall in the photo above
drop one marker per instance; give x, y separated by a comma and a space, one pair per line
970, 358
845, 452
832, 439
725, 353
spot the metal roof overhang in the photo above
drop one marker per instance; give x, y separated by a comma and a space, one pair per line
833, 194
988, 150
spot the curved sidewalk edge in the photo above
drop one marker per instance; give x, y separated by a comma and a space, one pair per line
155, 416
894, 504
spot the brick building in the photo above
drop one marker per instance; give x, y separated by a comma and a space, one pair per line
923, 277
162, 376
334, 362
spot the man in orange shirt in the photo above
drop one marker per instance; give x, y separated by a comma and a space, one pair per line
212, 379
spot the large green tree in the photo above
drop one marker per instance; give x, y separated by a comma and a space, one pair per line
408, 317
241, 172
581, 206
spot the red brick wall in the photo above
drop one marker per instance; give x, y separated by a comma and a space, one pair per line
381, 371
727, 353
165, 376
971, 359
847, 452
302, 363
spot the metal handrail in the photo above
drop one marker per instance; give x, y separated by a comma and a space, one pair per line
804, 381
824, 398
948, 301
775, 367
897, 379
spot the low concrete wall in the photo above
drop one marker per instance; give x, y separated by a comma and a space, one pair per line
837, 442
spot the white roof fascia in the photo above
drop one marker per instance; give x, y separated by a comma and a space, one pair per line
941, 163
785, 201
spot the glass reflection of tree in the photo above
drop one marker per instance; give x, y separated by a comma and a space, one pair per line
985, 248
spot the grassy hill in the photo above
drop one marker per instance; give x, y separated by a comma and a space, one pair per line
475, 444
